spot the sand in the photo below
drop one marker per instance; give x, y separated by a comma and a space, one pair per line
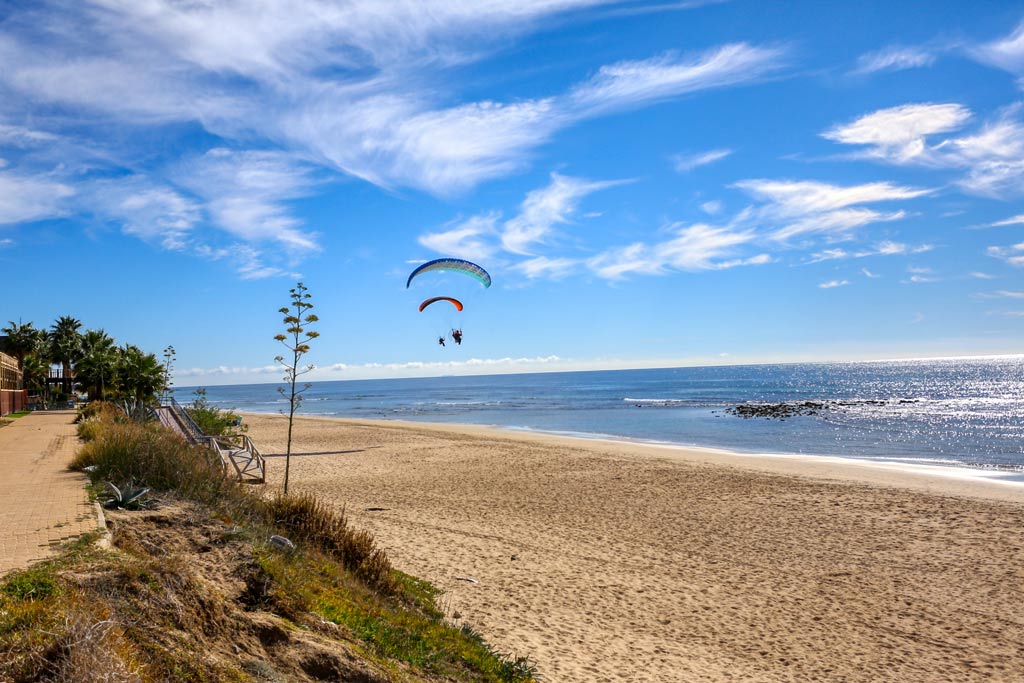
605, 561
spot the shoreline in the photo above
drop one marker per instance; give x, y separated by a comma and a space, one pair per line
987, 483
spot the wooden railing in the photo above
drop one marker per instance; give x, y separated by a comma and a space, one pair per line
237, 452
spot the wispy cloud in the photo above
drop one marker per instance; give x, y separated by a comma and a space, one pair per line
631, 83
869, 274
1001, 294
548, 268
692, 248
25, 198
247, 193
893, 58
832, 284
809, 207
897, 135
992, 157
1012, 220
982, 276
687, 162
361, 88
475, 238
1013, 254
545, 208
533, 226
151, 212
1005, 53
886, 248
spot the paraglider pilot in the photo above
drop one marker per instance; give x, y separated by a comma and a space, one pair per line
457, 336
440, 340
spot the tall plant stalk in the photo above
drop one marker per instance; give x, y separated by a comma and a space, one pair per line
296, 339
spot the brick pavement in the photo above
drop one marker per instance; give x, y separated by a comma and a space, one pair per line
42, 504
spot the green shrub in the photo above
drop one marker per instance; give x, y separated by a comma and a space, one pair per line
32, 584
211, 419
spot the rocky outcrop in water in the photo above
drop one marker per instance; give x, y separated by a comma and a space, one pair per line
780, 411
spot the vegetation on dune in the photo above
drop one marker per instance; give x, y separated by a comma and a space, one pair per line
211, 419
197, 591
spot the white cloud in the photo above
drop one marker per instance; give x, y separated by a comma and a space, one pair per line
543, 209
148, 211
1012, 220
473, 239
687, 162
894, 58
712, 207
552, 268
868, 273
694, 248
897, 135
1001, 294
919, 270
832, 284
630, 83
1013, 255
802, 197
6, 242
992, 157
25, 198
510, 364
19, 136
918, 279
982, 276
1006, 53
809, 207
359, 87
886, 248
246, 194
480, 237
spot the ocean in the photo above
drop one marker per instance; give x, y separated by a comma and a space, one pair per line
960, 411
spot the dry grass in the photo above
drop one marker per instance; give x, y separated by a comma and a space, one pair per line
122, 450
306, 518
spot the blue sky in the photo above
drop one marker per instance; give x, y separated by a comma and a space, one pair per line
649, 184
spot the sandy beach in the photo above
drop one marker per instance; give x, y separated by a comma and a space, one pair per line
607, 561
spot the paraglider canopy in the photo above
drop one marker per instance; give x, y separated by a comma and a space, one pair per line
432, 300
453, 264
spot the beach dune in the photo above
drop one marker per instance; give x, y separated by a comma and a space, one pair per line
622, 562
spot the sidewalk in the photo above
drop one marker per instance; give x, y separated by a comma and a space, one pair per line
42, 504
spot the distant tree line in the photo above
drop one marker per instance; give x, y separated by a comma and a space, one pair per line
91, 362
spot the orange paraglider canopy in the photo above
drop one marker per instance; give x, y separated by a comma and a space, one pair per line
455, 302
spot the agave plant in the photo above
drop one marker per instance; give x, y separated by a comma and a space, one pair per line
128, 497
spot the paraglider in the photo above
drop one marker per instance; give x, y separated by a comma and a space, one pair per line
434, 300
453, 265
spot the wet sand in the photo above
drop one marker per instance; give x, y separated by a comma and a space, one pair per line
607, 561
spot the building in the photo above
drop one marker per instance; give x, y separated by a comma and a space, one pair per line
13, 396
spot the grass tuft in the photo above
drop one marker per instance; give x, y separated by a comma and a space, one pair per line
304, 517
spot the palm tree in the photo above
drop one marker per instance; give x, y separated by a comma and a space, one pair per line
22, 339
35, 372
97, 366
140, 374
65, 345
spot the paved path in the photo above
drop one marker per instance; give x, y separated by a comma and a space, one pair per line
42, 504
